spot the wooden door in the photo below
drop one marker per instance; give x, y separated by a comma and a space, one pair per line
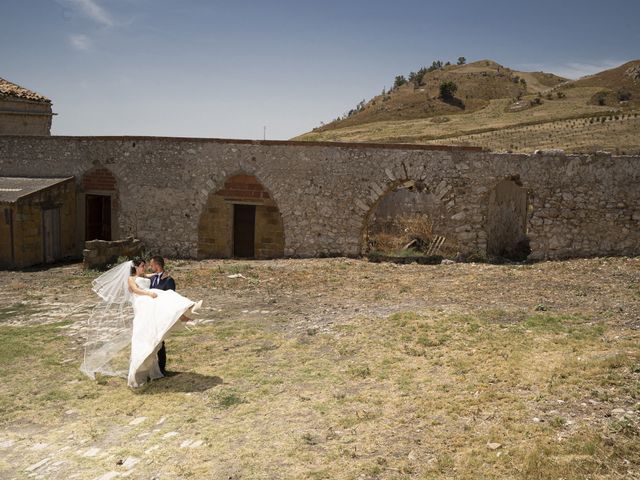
244, 226
97, 217
51, 234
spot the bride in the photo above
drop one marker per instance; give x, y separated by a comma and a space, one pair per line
112, 327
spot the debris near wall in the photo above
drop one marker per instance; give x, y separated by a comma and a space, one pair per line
100, 253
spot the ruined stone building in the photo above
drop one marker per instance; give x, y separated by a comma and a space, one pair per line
222, 198
23, 112
214, 198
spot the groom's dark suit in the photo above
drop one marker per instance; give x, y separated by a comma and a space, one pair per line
162, 284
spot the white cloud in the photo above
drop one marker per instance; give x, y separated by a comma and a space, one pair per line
80, 42
92, 10
576, 70
573, 70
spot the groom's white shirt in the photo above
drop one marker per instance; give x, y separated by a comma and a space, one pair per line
156, 279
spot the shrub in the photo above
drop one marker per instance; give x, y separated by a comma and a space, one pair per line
417, 77
448, 90
462, 60
399, 81
435, 65
624, 95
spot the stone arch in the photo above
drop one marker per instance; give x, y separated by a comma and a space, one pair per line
240, 215
413, 197
98, 204
506, 224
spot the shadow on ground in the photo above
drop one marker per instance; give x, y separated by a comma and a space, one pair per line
182, 382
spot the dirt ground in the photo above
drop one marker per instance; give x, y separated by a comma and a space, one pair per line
338, 369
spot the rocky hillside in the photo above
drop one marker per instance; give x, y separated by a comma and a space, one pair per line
498, 108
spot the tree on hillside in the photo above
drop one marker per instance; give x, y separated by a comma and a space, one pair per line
435, 65
447, 90
462, 60
399, 81
417, 77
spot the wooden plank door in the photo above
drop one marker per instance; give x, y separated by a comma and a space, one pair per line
244, 227
51, 234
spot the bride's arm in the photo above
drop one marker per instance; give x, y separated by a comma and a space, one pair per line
138, 291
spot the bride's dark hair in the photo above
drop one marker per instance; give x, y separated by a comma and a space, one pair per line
136, 263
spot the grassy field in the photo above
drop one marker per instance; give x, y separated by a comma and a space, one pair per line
339, 369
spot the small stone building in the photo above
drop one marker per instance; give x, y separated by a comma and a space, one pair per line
23, 112
37, 220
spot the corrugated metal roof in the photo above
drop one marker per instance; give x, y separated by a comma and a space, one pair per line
14, 188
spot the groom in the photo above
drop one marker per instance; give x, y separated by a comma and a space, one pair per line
162, 281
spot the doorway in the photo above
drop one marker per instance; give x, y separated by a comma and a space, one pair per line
51, 234
507, 221
97, 217
244, 225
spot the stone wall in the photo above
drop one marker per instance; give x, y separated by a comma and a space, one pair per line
578, 205
102, 253
24, 117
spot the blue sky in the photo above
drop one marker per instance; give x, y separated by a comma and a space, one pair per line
227, 68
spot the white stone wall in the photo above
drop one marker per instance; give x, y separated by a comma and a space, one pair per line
579, 205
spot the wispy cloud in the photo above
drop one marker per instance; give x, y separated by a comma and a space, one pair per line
91, 9
576, 70
80, 42
573, 70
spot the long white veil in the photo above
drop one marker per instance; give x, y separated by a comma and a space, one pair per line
109, 327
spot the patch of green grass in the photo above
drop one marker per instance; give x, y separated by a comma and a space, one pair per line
16, 310
359, 371
234, 268
228, 399
20, 342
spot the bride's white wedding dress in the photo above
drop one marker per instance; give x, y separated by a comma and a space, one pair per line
153, 318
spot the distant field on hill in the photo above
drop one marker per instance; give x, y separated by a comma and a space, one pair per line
618, 134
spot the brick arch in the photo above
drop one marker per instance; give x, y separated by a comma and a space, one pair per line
100, 179
216, 229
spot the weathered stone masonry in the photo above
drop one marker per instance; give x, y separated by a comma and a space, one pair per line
577, 205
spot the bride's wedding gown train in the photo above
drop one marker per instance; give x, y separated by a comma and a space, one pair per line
153, 318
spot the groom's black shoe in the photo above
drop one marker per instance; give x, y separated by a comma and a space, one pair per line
162, 359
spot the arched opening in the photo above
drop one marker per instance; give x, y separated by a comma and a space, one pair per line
99, 204
406, 220
507, 221
240, 220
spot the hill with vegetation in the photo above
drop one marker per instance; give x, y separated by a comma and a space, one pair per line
486, 104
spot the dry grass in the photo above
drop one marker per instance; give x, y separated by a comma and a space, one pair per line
342, 369
393, 235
